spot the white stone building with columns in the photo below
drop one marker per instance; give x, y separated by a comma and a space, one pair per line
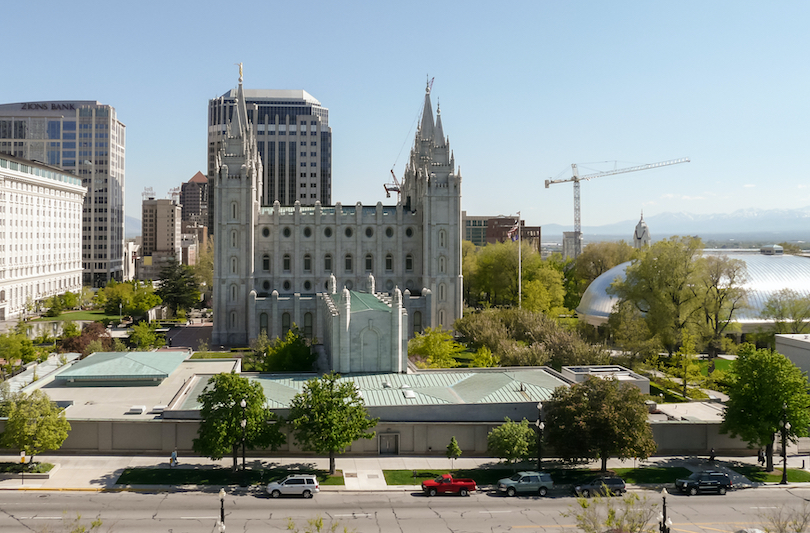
276, 265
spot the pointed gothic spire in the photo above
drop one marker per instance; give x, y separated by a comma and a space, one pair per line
239, 120
426, 127
439, 131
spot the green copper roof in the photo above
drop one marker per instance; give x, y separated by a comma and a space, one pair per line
361, 301
124, 366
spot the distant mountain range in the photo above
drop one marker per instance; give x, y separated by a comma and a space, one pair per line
132, 227
744, 224
774, 224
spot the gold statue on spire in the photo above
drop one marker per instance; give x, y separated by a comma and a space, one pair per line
240, 71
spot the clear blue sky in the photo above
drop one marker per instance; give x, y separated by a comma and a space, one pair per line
526, 89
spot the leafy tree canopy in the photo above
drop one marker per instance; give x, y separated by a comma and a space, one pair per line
179, 287
599, 418
512, 441
519, 337
80, 343
135, 298
144, 336
35, 424
221, 431
292, 353
789, 310
328, 415
765, 386
436, 347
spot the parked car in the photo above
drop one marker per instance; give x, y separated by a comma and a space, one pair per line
604, 485
706, 481
526, 482
445, 484
296, 484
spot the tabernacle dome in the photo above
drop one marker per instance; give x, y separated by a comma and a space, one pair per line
767, 274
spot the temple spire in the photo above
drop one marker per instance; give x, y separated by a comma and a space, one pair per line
426, 129
439, 131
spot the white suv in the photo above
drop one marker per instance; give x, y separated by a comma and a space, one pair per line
300, 484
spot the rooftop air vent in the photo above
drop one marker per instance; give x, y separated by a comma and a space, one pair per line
409, 394
386, 384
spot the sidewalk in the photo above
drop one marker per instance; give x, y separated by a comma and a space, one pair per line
97, 473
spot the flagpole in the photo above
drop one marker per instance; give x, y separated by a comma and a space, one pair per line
520, 266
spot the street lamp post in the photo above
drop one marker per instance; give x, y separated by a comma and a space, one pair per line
540, 427
785, 429
222, 509
120, 313
664, 523
243, 423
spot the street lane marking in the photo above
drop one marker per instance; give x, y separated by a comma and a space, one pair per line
199, 518
365, 515
494, 511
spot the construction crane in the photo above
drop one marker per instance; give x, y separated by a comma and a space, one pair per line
576, 178
392, 187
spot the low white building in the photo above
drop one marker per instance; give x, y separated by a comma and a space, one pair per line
40, 234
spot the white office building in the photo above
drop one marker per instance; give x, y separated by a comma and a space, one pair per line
85, 138
40, 234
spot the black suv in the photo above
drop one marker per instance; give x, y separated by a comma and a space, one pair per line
708, 481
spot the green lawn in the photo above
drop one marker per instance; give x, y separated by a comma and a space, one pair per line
216, 476
30, 468
719, 364
757, 474
94, 316
212, 355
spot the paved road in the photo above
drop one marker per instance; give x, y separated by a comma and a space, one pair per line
368, 512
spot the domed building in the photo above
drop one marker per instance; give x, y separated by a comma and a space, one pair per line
768, 273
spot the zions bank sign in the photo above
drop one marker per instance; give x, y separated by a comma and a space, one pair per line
45, 106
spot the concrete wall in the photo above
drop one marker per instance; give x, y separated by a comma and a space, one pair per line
414, 438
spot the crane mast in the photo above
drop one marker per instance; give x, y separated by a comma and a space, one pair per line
576, 178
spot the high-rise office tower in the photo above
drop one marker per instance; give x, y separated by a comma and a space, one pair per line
294, 142
85, 138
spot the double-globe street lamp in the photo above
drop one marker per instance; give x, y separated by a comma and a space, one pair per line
540, 426
664, 523
221, 525
243, 423
785, 429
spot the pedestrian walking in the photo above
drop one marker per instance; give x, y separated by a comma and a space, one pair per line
173, 458
761, 457
711, 455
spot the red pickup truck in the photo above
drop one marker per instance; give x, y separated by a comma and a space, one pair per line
445, 484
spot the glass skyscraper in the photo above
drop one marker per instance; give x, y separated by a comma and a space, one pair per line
85, 138
294, 142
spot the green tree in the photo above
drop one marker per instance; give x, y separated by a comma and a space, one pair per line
95, 331
522, 338
687, 363
630, 333
35, 424
204, 267
484, 358
599, 257
453, 450
789, 311
469, 270
16, 349
328, 415
599, 418
132, 298
437, 347
293, 353
144, 336
55, 306
722, 287
628, 514
70, 300
512, 441
661, 284
791, 248
179, 287
220, 430
765, 387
